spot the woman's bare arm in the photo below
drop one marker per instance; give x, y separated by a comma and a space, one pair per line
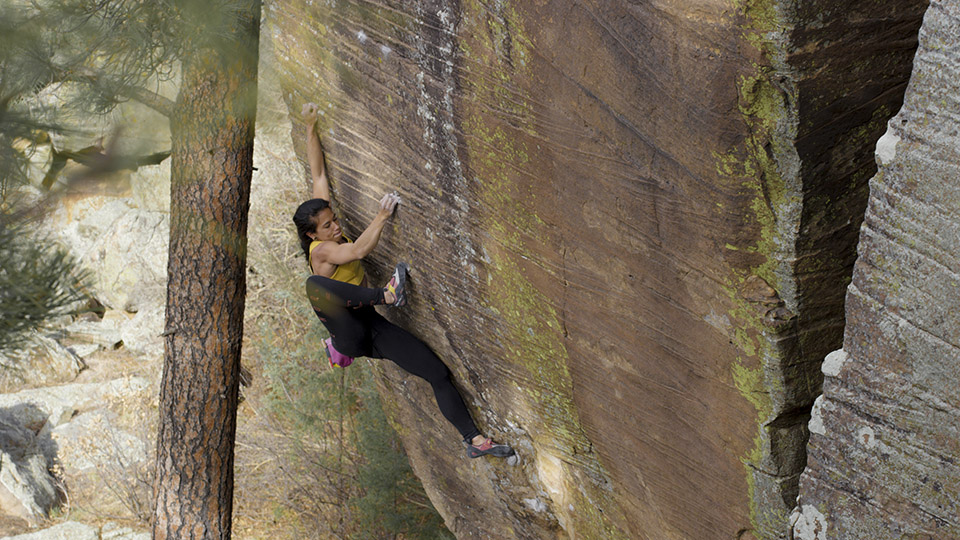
318, 171
334, 253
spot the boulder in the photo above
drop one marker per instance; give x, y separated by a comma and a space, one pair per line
79, 222
129, 261
124, 248
27, 489
630, 227
71, 530
112, 531
49, 407
43, 361
142, 334
103, 333
94, 441
150, 187
884, 436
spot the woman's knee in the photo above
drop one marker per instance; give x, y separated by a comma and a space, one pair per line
440, 376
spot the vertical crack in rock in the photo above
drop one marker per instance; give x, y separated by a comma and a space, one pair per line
885, 437
813, 112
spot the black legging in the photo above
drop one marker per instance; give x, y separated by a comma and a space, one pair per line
358, 330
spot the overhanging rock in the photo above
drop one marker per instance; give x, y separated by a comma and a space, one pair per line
631, 226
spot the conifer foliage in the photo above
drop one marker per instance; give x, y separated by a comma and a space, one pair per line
38, 282
108, 51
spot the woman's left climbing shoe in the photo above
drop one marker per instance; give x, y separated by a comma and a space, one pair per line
489, 448
398, 284
336, 357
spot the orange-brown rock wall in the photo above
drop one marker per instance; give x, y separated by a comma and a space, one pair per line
629, 226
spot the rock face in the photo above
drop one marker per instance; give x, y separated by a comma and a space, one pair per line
42, 361
123, 247
885, 440
70, 530
630, 225
27, 488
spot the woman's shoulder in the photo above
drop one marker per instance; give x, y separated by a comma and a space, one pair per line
316, 243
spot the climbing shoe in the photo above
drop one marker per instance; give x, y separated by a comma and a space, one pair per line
336, 357
398, 284
488, 448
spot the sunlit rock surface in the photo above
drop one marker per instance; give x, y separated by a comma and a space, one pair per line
885, 442
631, 226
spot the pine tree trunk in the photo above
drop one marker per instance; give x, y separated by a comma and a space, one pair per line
212, 158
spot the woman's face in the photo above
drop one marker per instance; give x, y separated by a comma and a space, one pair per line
328, 226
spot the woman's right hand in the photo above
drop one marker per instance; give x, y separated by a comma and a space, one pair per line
310, 112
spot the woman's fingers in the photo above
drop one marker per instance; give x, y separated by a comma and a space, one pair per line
389, 202
309, 111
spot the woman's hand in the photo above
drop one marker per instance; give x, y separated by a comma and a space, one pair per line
388, 204
334, 253
310, 112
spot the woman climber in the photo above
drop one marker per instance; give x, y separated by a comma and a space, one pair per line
338, 293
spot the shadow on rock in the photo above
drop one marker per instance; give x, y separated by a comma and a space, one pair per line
28, 488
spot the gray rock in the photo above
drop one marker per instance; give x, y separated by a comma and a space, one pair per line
84, 350
104, 333
112, 531
150, 187
28, 488
42, 361
70, 530
142, 333
81, 222
884, 435
129, 261
57, 404
123, 247
92, 440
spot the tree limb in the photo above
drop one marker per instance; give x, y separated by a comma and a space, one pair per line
150, 98
155, 101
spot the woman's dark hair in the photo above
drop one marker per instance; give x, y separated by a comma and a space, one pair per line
305, 219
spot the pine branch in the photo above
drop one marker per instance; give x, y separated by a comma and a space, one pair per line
155, 101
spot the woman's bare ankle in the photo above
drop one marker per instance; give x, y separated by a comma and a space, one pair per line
388, 297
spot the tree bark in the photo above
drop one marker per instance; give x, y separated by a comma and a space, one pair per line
212, 159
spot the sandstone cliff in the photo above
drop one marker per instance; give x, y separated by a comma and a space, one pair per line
631, 227
885, 438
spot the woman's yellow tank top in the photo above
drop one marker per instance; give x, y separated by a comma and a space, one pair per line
351, 272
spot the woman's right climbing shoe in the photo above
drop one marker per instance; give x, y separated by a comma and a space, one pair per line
398, 284
489, 448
